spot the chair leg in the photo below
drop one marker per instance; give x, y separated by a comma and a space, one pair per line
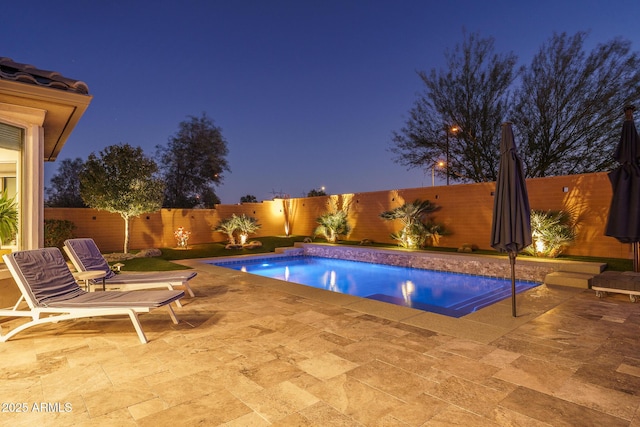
174, 319
136, 324
189, 290
15, 307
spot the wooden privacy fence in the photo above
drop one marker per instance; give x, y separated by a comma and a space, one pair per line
465, 210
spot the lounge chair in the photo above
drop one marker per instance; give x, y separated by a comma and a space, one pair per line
49, 289
86, 256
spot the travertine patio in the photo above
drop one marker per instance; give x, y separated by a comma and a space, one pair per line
252, 351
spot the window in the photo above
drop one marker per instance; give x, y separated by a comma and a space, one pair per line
11, 148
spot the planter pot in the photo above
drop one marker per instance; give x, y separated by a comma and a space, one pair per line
2, 252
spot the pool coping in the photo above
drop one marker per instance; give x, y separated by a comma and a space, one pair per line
485, 325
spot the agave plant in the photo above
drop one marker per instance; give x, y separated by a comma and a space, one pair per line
333, 224
414, 232
8, 218
552, 233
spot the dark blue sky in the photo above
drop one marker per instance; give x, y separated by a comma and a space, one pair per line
307, 93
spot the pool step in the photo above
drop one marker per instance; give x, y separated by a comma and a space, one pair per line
569, 278
582, 267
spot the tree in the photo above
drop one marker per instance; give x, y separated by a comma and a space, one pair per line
570, 103
552, 232
335, 222
472, 93
249, 198
332, 225
193, 161
122, 180
414, 230
227, 226
65, 185
316, 193
244, 224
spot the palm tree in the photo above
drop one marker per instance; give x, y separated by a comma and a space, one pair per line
552, 233
246, 225
411, 215
332, 225
228, 226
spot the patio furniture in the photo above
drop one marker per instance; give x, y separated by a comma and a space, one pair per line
86, 256
53, 294
627, 282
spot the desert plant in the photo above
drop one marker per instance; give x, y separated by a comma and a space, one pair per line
227, 226
8, 218
243, 223
552, 232
415, 231
433, 233
333, 224
246, 225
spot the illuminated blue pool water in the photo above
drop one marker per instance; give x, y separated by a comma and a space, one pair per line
451, 294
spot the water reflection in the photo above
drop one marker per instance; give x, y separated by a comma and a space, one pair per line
330, 281
408, 289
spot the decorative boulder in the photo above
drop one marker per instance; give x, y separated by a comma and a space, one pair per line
467, 247
149, 253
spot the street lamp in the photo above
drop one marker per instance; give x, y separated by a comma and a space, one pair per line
433, 172
454, 130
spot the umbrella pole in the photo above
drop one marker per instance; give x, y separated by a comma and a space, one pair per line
636, 256
512, 261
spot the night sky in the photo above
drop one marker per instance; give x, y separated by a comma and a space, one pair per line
307, 93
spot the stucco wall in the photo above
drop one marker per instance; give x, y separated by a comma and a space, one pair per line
466, 210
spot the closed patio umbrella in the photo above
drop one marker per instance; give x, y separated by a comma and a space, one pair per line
624, 213
511, 227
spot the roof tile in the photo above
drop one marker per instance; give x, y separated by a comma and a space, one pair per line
25, 73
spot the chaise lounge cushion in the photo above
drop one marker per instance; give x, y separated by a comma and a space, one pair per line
627, 281
55, 286
86, 252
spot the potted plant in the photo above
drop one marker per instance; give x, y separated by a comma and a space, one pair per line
8, 220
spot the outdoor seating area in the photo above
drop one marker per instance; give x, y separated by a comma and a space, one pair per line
255, 351
52, 294
86, 257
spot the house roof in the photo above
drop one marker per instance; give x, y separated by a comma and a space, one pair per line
25, 73
64, 100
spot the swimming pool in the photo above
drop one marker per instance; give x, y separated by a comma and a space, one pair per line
450, 294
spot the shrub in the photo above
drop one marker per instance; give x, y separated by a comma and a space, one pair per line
56, 231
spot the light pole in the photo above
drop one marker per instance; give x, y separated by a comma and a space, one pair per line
433, 172
453, 129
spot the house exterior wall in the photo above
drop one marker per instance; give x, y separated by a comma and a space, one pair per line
465, 210
30, 172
